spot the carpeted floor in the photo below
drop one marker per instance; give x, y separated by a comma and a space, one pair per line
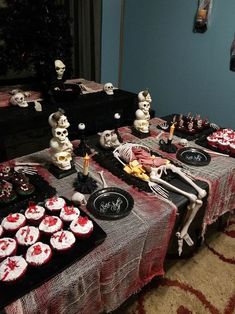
203, 284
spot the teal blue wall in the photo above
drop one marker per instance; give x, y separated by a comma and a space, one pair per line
184, 71
111, 13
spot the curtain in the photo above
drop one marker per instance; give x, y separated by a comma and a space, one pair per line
86, 18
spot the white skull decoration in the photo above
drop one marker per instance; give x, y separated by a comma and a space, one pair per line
61, 134
58, 119
141, 126
108, 88
79, 198
60, 68
109, 139
19, 100
7, 188
62, 160
144, 96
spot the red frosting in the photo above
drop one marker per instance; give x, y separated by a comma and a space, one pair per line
82, 221
12, 218
50, 221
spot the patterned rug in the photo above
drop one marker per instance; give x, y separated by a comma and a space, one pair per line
203, 284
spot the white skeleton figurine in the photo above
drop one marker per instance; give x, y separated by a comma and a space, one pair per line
60, 69
60, 141
108, 88
109, 139
157, 184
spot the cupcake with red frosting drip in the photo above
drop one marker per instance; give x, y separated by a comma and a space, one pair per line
50, 224
82, 227
12, 268
62, 240
35, 213
1, 231
27, 235
69, 213
8, 247
55, 203
38, 254
13, 222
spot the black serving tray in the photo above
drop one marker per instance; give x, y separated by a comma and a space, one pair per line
36, 276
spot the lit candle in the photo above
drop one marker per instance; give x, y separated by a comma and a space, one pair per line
172, 129
86, 161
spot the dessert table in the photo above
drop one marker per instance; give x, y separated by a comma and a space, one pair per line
136, 245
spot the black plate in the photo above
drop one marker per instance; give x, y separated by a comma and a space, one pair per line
110, 203
193, 156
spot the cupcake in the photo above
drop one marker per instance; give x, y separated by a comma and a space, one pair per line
62, 240
212, 140
232, 148
13, 222
55, 203
1, 231
8, 247
50, 224
223, 144
69, 213
34, 213
12, 269
38, 254
27, 235
81, 227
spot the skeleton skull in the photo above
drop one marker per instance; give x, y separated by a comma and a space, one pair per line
144, 106
141, 126
109, 139
144, 96
19, 100
7, 188
62, 160
79, 198
58, 119
60, 134
60, 68
108, 88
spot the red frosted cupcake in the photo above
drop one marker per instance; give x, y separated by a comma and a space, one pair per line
35, 213
27, 235
69, 213
13, 222
62, 240
82, 227
212, 140
223, 144
55, 203
50, 224
12, 268
38, 254
1, 231
8, 247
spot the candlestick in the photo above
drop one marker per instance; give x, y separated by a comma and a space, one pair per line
82, 149
172, 129
86, 161
117, 118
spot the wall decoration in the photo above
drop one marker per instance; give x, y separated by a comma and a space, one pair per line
203, 16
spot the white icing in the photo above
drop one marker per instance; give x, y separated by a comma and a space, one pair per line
42, 257
77, 228
7, 247
27, 235
69, 216
12, 268
13, 225
35, 213
47, 226
62, 239
55, 203
1, 230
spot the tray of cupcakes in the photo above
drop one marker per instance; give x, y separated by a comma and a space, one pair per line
41, 240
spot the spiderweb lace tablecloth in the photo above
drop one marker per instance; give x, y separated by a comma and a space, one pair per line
131, 255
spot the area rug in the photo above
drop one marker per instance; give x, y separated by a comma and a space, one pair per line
203, 284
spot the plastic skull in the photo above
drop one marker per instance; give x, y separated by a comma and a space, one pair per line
108, 88
62, 160
79, 198
60, 68
58, 119
18, 100
144, 96
141, 126
144, 106
109, 139
7, 187
61, 134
